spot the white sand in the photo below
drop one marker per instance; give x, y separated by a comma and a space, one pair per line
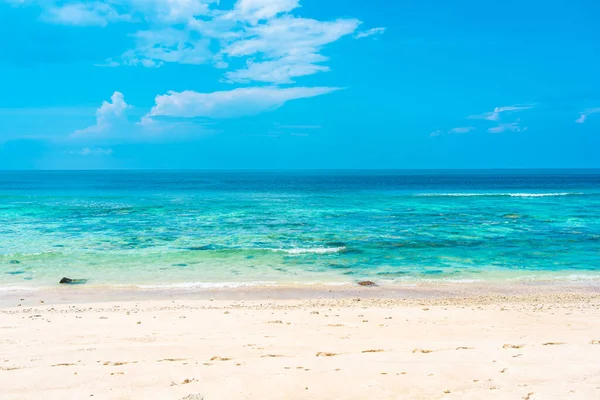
527, 347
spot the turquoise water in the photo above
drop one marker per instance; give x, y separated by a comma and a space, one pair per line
208, 229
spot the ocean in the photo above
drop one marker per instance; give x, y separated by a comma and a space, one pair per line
195, 229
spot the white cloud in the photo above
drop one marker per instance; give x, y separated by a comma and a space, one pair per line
462, 129
585, 114
495, 115
275, 45
107, 116
278, 71
254, 11
370, 32
84, 14
229, 104
103, 12
510, 127
168, 45
287, 47
171, 11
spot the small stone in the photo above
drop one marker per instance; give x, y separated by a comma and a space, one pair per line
367, 283
69, 281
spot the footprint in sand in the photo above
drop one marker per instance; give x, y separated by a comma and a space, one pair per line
324, 354
512, 346
424, 351
217, 358
553, 343
272, 356
373, 351
64, 365
10, 368
193, 396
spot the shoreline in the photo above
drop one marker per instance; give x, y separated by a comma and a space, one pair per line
77, 294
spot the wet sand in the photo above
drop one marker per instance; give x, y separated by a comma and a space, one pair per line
423, 343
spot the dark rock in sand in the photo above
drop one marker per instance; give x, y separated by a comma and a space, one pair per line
69, 281
367, 283
13, 262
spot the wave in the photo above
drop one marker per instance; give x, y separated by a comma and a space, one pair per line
201, 285
499, 194
296, 250
314, 250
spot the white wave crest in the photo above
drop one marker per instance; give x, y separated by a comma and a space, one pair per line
202, 285
497, 194
315, 250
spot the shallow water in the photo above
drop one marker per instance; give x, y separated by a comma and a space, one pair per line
213, 229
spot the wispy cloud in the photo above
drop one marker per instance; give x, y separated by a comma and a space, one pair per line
495, 115
93, 13
585, 114
462, 129
508, 127
457, 130
370, 32
229, 104
275, 45
92, 151
284, 48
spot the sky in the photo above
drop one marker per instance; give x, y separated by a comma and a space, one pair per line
299, 84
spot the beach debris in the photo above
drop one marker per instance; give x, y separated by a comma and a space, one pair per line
424, 351
325, 354
553, 343
217, 358
374, 351
367, 283
69, 281
193, 396
512, 346
595, 342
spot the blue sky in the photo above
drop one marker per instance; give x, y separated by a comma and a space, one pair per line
278, 84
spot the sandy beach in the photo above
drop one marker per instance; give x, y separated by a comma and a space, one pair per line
351, 345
